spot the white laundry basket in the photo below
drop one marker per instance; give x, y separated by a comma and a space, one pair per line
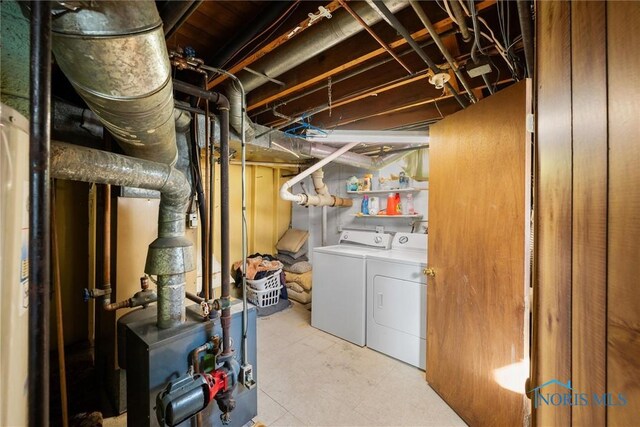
265, 292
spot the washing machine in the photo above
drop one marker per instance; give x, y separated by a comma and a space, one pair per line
397, 300
339, 303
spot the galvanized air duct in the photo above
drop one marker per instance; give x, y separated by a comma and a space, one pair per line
309, 44
116, 58
170, 256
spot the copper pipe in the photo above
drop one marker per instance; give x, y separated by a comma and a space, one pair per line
374, 35
106, 256
58, 297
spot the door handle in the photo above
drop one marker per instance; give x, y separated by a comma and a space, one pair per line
379, 299
431, 272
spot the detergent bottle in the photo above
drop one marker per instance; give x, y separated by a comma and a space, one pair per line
391, 204
364, 208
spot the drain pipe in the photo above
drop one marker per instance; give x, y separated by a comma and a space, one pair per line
170, 256
319, 200
393, 21
445, 52
462, 24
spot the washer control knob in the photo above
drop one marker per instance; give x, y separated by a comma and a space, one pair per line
377, 239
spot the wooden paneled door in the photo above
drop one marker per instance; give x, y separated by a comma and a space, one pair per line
479, 210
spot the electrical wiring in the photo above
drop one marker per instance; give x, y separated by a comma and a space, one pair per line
492, 37
446, 5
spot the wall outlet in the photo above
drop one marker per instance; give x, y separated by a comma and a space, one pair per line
379, 229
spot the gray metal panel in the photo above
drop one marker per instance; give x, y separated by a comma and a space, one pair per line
157, 356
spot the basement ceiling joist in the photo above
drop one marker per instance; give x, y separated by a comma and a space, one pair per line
368, 89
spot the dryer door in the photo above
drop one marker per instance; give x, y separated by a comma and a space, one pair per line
397, 310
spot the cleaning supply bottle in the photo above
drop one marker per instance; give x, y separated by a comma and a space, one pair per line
364, 208
409, 207
398, 204
366, 182
391, 204
374, 205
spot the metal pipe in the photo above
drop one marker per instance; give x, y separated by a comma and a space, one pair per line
212, 202
246, 369
170, 256
317, 39
225, 262
445, 52
225, 265
39, 212
313, 42
524, 14
267, 17
207, 219
374, 35
127, 81
462, 23
349, 75
175, 13
407, 36
106, 246
59, 321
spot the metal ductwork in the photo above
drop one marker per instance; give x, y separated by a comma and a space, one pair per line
309, 44
170, 256
116, 59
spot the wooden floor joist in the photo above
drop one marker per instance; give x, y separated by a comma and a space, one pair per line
295, 31
440, 26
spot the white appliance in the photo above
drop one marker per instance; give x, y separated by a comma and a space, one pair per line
338, 305
397, 300
14, 266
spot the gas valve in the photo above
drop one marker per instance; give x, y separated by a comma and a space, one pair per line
188, 395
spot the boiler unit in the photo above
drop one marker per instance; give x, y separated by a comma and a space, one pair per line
178, 374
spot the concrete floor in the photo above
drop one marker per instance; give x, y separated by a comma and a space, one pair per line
309, 378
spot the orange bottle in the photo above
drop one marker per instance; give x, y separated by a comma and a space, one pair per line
391, 204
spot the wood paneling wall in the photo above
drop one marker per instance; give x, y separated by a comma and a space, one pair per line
623, 273
552, 296
587, 315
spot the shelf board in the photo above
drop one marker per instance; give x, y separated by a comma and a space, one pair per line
388, 216
398, 190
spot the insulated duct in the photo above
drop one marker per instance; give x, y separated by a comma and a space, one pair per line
309, 44
115, 56
170, 256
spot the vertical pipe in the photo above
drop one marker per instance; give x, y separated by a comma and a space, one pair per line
106, 286
224, 227
524, 16
206, 221
39, 202
212, 204
59, 323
